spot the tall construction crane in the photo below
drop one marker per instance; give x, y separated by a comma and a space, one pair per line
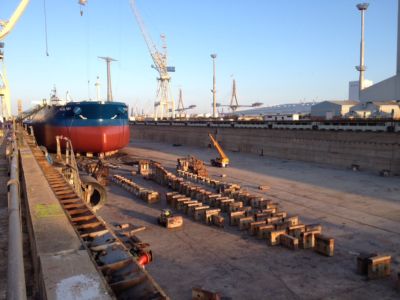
234, 104
165, 102
5, 29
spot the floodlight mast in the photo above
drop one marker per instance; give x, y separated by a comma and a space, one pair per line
109, 88
362, 7
214, 91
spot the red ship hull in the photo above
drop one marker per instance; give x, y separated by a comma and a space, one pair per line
94, 139
92, 127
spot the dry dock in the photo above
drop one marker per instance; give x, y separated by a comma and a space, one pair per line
360, 210
371, 151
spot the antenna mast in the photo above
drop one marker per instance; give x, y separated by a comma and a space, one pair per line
97, 85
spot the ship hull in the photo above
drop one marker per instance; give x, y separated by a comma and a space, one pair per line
106, 130
93, 139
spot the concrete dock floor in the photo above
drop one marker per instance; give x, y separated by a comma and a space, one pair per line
361, 211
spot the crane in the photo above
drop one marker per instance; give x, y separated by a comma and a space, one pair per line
221, 161
5, 29
165, 102
234, 104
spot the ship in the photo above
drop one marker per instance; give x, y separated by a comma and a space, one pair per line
92, 126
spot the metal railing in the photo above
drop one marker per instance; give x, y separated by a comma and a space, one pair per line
71, 172
16, 288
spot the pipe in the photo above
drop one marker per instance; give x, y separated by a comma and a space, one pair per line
16, 288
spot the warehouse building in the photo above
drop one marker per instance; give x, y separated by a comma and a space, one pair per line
376, 109
332, 109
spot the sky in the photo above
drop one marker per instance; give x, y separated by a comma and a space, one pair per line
277, 51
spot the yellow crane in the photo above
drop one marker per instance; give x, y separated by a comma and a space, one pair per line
222, 160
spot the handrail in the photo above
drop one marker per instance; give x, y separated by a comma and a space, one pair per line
16, 287
72, 172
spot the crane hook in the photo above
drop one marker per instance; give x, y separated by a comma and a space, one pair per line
82, 3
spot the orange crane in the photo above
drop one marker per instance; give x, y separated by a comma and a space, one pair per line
222, 160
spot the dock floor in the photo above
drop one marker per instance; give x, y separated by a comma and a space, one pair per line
361, 211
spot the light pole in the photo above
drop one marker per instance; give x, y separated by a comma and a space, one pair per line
362, 7
109, 89
214, 91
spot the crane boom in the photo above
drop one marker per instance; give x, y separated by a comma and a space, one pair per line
165, 100
159, 58
7, 26
222, 160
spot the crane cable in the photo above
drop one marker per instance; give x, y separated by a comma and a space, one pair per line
45, 27
88, 49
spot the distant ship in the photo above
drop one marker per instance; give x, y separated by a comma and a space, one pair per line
92, 126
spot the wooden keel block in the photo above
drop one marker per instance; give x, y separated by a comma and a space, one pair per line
263, 231
180, 203
289, 241
190, 209
254, 227
294, 220
296, 230
272, 206
199, 212
274, 220
168, 197
234, 217
188, 204
255, 201
225, 204
280, 214
262, 216
218, 220
273, 237
324, 245
200, 294
216, 202
209, 213
379, 266
362, 262
317, 228
263, 187
244, 222
268, 210
307, 240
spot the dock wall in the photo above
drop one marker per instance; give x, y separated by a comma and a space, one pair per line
371, 151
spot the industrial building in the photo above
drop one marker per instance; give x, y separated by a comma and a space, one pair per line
289, 108
375, 109
332, 109
354, 88
389, 89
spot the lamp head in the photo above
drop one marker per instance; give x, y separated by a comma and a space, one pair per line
362, 6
